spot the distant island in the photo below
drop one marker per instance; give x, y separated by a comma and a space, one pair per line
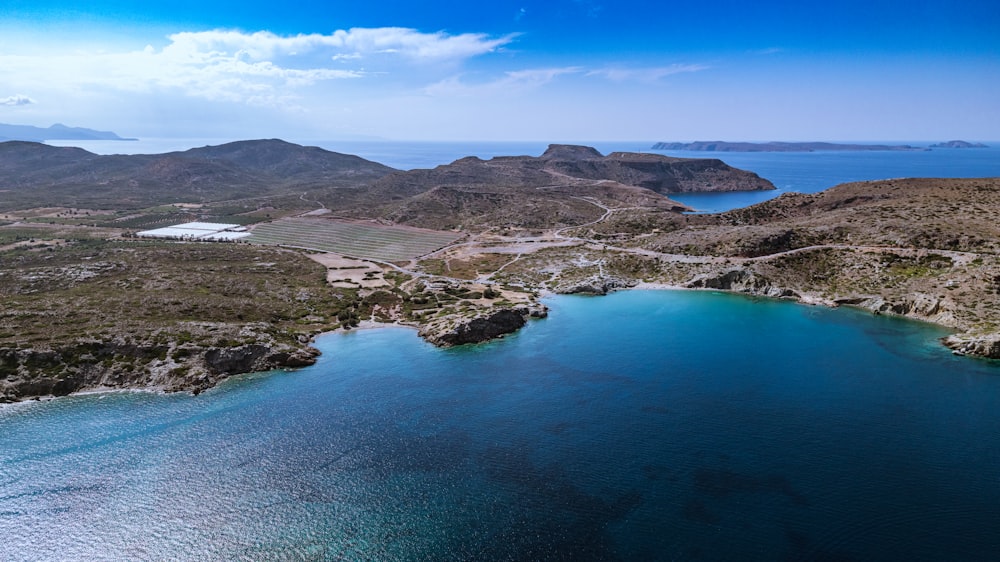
959, 144
724, 146
55, 132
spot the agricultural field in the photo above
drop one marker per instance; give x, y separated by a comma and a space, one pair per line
355, 239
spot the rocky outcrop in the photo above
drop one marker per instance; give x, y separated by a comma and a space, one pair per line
917, 305
740, 281
985, 345
596, 285
27, 373
570, 152
489, 326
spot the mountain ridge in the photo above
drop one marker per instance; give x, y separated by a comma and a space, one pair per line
70, 176
57, 131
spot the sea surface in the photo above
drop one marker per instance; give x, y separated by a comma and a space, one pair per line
804, 172
644, 425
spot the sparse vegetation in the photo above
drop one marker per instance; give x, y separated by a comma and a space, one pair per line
73, 277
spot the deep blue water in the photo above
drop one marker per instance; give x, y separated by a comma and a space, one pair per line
645, 425
810, 172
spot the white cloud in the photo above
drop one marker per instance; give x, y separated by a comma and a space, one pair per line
17, 99
651, 74
530, 79
517, 80
352, 43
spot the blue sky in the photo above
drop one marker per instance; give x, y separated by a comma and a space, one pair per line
506, 70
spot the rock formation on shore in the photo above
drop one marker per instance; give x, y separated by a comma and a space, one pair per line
122, 364
492, 325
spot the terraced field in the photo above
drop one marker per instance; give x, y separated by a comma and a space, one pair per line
355, 239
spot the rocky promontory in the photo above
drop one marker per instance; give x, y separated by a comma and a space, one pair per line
492, 324
984, 345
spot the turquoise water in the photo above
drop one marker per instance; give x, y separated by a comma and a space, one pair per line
645, 425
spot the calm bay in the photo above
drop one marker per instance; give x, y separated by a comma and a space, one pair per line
649, 425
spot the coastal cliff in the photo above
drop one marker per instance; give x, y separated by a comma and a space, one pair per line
482, 327
125, 364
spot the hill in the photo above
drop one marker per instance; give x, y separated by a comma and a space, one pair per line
557, 189
36, 175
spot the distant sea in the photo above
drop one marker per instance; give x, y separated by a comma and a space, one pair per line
644, 425
805, 172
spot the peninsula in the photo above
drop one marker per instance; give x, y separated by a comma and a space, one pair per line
94, 298
724, 146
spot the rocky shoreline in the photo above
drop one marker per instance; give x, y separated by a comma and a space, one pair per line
123, 364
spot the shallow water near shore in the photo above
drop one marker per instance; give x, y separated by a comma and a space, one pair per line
645, 425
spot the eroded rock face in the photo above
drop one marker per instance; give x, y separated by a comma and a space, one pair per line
987, 345
917, 305
27, 373
482, 328
740, 281
596, 285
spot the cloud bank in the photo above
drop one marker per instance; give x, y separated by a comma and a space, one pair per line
16, 100
234, 66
